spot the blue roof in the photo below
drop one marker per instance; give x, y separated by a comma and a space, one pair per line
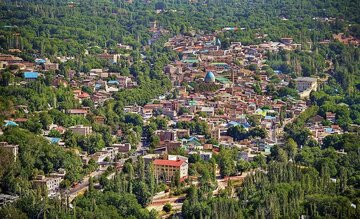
31, 75
209, 77
10, 123
53, 140
40, 61
233, 123
97, 86
269, 117
113, 82
245, 125
193, 138
328, 130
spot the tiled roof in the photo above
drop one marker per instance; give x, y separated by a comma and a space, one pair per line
174, 163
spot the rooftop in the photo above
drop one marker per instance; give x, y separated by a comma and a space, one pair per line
31, 75
174, 163
308, 79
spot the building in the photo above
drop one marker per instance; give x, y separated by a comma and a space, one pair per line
149, 158
166, 135
10, 148
122, 148
331, 117
210, 111
306, 83
77, 112
287, 40
30, 76
167, 169
209, 77
205, 155
51, 184
105, 154
7, 199
48, 66
81, 130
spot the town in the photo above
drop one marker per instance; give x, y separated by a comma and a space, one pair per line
179, 109
223, 88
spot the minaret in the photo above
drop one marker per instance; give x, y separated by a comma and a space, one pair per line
232, 76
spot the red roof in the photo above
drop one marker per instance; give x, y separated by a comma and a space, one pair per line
77, 111
174, 163
83, 95
20, 120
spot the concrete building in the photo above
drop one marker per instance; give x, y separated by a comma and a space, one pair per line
122, 148
167, 169
208, 110
205, 155
10, 148
7, 199
306, 83
51, 184
81, 130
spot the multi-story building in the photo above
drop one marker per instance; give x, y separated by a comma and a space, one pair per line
305, 83
51, 184
11, 148
7, 199
167, 169
81, 130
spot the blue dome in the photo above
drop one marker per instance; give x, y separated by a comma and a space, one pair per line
209, 77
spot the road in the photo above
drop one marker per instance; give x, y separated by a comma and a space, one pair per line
84, 185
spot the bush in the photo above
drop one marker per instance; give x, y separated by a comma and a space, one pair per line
167, 207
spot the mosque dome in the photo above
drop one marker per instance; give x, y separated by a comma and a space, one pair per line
209, 77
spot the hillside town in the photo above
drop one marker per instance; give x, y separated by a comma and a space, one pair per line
224, 88
179, 109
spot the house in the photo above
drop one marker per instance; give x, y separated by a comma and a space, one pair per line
166, 135
105, 153
13, 149
182, 133
166, 170
60, 173
287, 40
208, 110
99, 119
78, 112
122, 148
48, 66
205, 155
81, 130
331, 117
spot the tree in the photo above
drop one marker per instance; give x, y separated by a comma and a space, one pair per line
194, 158
226, 162
278, 154
291, 148
12, 212
45, 120
54, 133
93, 143
6, 161
70, 139
183, 110
142, 193
167, 207
242, 166
154, 141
